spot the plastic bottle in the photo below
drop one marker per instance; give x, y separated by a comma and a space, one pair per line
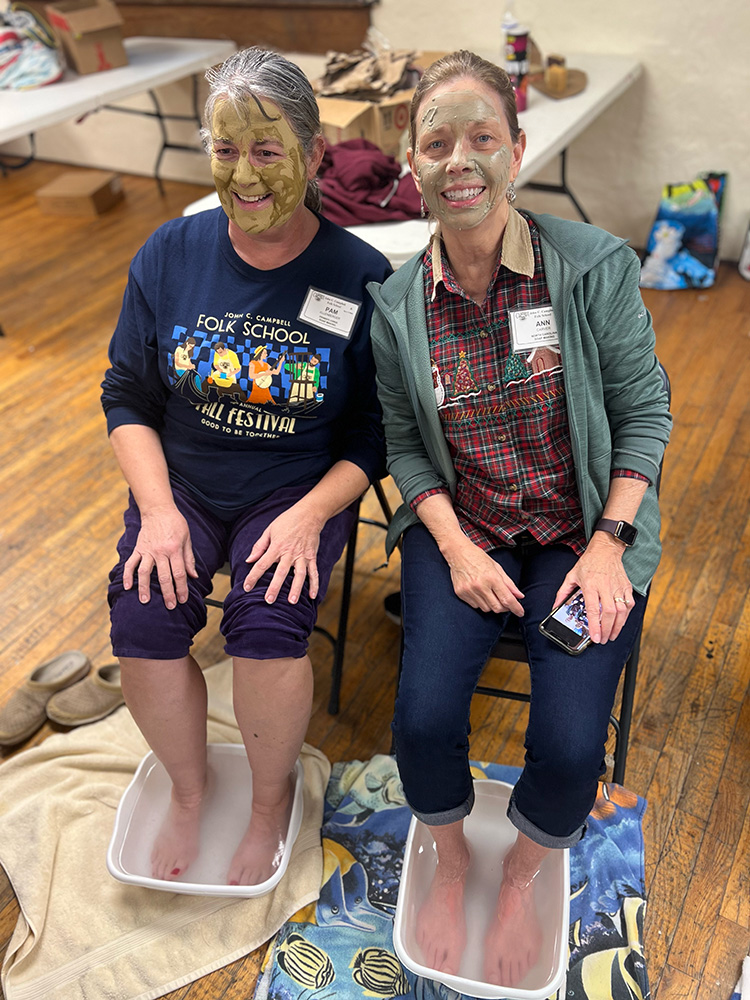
515, 59
508, 23
509, 17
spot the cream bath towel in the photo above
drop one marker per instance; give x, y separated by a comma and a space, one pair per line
81, 934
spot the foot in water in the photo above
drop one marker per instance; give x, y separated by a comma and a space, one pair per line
261, 849
441, 921
178, 841
514, 937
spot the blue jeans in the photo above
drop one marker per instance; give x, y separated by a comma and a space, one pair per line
446, 646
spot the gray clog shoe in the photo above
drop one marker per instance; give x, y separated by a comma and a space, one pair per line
91, 699
26, 710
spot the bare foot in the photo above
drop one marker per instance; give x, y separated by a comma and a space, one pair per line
514, 938
178, 841
441, 921
261, 849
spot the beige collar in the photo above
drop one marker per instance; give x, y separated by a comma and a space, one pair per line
516, 253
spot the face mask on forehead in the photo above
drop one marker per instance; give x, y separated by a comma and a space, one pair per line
257, 163
461, 181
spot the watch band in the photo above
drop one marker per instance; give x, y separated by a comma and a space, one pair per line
622, 530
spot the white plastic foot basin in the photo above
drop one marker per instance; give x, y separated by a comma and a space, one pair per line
226, 815
490, 834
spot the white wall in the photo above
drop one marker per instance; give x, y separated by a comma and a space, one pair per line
687, 113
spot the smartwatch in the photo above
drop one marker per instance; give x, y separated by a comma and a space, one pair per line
627, 533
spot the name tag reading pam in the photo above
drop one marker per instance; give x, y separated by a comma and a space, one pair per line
329, 312
532, 328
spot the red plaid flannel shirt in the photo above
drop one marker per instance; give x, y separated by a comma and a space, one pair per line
503, 414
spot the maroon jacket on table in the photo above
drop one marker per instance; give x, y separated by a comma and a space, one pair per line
359, 184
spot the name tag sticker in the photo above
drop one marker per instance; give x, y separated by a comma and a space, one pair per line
532, 328
329, 312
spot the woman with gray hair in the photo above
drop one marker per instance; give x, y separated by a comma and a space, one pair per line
249, 479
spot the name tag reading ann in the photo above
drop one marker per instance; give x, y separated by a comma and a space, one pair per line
531, 328
328, 312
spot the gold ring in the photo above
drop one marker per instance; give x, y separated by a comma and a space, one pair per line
622, 600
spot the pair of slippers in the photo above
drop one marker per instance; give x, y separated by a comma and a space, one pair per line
63, 691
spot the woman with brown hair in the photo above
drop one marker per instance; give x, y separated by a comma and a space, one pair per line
525, 421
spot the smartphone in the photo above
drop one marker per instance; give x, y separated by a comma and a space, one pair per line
568, 625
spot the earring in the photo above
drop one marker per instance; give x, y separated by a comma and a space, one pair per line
422, 211
510, 193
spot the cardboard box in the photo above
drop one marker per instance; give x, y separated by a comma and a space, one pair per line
392, 117
89, 33
382, 123
392, 113
385, 122
81, 192
343, 119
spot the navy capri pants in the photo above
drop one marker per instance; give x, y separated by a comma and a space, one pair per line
251, 627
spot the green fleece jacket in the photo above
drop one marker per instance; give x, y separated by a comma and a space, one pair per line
617, 400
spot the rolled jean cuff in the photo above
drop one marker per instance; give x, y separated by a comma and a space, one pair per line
448, 815
533, 832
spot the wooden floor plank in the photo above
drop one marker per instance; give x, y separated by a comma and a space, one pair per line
736, 764
729, 945
668, 888
663, 689
728, 811
735, 678
736, 904
663, 794
699, 918
702, 779
675, 985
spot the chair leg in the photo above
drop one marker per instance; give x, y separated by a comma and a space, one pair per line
392, 750
383, 500
340, 642
626, 713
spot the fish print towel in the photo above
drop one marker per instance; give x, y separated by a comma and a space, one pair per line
341, 947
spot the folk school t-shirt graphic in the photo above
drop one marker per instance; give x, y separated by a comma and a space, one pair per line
254, 380
249, 374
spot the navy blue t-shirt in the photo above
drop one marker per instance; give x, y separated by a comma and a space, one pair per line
254, 380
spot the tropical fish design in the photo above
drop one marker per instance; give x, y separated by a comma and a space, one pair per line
379, 973
614, 972
478, 771
305, 962
378, 789
346, 951
381, 853
343, 900
609, 797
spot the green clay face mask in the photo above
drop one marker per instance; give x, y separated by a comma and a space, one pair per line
462, 157
258, 165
